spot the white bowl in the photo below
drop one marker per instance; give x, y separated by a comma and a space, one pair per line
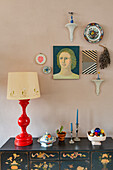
95, 140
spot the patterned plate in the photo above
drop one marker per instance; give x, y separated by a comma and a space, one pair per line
93, 33
47, 70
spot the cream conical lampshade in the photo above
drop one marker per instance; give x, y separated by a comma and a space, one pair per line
22, 85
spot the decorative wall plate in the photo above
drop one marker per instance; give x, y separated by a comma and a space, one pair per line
46, 69
93, 33
40, 58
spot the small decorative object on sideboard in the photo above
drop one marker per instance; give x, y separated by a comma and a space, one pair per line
71, 140
61, 134
96, 136
47, 140
77, 139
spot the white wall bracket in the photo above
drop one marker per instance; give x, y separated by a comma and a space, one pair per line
71, 27
98, 83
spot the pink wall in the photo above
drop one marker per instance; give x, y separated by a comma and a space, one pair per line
30, 27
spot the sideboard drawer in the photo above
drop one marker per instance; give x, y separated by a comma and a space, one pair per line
75, 165
44, 165
102, 160
71, 155
14, 160
44, 155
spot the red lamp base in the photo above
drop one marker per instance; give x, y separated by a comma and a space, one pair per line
23, 141
24, 138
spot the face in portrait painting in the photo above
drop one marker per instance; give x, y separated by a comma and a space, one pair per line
65, 62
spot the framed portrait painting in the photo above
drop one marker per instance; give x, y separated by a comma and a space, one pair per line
66, 62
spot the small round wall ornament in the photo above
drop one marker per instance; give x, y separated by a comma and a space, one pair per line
46, 69
40, 59
93, 33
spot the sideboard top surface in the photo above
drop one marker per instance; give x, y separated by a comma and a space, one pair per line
83, 145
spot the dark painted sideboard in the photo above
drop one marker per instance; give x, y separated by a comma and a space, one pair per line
79, 156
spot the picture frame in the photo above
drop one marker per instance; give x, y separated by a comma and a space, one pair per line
89, 61
40, 59
66, 62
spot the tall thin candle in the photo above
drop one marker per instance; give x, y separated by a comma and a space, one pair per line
71, 127
77, 118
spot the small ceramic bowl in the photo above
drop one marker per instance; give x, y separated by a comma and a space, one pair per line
47, 140
96, 140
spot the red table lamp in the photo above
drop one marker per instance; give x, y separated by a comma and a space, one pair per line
23, 86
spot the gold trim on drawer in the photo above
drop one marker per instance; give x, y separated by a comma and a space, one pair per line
44, 155
74, 155
36, 165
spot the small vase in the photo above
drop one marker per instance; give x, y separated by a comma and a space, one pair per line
61, 136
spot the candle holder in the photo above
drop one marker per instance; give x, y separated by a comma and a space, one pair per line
71, 140
77, 139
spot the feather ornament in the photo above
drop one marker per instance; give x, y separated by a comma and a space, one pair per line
104, 59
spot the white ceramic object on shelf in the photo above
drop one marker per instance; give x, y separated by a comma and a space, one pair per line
71, 27
98, 83
47, 140
96, 140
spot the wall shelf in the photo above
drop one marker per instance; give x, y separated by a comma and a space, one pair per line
71, 27
97, 84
